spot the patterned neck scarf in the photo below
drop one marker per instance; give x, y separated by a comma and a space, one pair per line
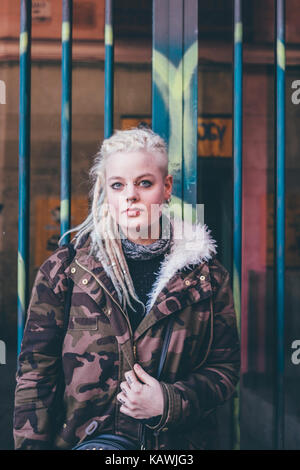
145, 252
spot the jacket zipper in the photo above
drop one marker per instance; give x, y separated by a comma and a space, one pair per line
100, 283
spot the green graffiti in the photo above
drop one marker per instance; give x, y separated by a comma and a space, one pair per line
64, 210
65, 31
281, 54
66, 111
108, 35
21, 281
183, 210
238, 32
173, 84
189, 125
23, 42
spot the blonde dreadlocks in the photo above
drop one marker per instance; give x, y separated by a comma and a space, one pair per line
104, 231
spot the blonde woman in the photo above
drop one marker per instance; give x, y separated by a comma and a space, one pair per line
135, 268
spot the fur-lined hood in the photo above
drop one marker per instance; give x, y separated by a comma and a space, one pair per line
192, 245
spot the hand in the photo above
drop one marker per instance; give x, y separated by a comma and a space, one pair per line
141, 400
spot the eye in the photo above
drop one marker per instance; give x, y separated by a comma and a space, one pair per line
147, 185
114, 185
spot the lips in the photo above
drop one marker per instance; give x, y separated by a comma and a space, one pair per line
133, 212
133, 209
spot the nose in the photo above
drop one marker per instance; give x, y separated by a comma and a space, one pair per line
131, 192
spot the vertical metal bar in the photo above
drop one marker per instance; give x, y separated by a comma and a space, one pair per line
24, 164
190, 108
176, 98
160, 68
237, 191
280, 219
109, 70
174, 91
66, 119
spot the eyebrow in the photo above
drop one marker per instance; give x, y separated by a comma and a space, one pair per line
138, 177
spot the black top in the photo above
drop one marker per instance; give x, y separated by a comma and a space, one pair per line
143, 274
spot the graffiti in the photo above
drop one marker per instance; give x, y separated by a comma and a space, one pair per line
175, 90
211, 131
214, 136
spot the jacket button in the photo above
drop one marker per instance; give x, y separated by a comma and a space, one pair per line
84, 281
202, 278
187, 282
106, 310
73, 270
65, 425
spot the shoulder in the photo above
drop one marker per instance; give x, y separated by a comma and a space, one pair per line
218, 273
54, 266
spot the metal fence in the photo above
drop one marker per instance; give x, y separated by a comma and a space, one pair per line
174, 116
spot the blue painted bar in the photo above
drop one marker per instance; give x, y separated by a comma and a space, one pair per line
168, 87
237, 190
160, 68
175, 60
66, 119
190, 106
280, 220
24, 165
109, 70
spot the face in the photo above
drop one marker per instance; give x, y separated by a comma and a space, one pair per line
135, 180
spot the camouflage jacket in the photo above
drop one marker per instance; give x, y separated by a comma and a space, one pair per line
202, 363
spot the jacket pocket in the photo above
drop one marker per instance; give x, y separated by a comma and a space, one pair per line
83, 323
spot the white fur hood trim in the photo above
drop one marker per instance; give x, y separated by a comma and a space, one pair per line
192, 244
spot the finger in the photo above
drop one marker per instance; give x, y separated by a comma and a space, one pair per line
121, 398
126, 411
134, 383
143, 375
128, 393
125, 388
129, 402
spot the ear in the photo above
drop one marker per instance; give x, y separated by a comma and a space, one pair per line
168, 186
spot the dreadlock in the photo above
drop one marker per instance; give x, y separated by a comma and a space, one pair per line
104, 231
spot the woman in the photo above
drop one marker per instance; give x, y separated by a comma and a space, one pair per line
135, 268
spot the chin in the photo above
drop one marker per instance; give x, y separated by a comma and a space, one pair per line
136, 225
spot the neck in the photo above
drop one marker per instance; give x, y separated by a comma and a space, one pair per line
142, 251
153, 230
